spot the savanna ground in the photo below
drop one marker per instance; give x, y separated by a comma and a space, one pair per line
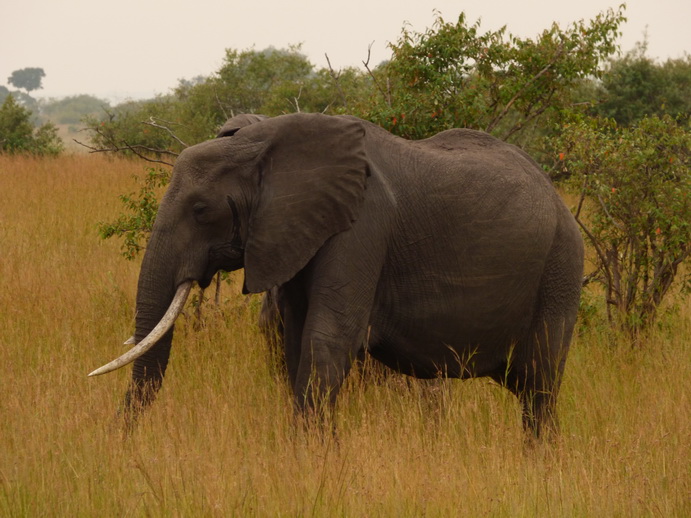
220, 440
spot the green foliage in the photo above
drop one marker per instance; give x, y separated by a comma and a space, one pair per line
249, 79
635, 86
277, 81
271, 82
132, 129
27, 78
142, 207
635, 208
453, 75
46, 140
23, 99
17, 133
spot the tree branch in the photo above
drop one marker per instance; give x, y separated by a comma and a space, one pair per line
220, 104
604, 208
133, 149
386, 94
296, 100
152, 122
603, 258
520, 92
138, 149
336, 81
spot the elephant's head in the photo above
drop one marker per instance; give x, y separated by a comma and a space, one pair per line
266, 197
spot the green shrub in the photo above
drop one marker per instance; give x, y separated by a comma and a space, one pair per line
130, 129
141, 207
18, 135
635, 208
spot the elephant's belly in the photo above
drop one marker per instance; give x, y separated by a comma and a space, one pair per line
452, 330
433, 360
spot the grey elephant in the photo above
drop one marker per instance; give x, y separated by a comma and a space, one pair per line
451, 256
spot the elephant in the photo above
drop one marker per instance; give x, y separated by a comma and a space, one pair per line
452, 256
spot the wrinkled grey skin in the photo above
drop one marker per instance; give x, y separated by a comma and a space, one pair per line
451, 256
270, 321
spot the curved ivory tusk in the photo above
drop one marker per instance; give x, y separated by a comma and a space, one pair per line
130, 341
154, 336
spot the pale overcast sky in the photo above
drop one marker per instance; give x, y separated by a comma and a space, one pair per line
139, 48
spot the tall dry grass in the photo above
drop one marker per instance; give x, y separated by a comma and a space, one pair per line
220, 440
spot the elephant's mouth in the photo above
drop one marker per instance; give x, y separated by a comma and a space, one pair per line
227, 257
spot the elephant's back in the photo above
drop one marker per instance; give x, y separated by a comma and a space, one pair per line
474, 228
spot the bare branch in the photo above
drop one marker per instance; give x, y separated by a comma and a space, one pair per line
220, 104
296, 100
369, 55
580, 202
588, 278
520, 125
138, 149
133, 149
604, 261
600, 253
152, 122
385, 92
336, 81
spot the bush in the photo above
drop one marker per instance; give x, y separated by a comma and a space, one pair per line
636, 86
635, 208
135, 226
270, 82
454, 76
131, 129
17, 134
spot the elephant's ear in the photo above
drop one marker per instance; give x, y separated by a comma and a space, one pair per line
233, 124
312, 187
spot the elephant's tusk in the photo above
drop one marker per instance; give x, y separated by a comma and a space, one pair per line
154, 336
130, 341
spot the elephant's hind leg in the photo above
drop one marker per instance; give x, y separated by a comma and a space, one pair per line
535, 380
536, 371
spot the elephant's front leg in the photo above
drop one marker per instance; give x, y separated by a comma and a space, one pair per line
330, 343
293, 308
340, 290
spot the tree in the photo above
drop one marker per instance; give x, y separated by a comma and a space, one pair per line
17, 134
4, 92
635, 208
636, 86
27, 78
271, 81
249, 77
453, 75
133, 129
16, 130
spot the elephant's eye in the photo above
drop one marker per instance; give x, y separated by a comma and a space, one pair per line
199, 209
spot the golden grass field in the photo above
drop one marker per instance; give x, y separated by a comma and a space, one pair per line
220, 439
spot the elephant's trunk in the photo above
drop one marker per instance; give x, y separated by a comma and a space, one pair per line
160, 283
161, 295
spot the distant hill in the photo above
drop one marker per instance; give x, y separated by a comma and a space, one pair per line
68, 113
71, 110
